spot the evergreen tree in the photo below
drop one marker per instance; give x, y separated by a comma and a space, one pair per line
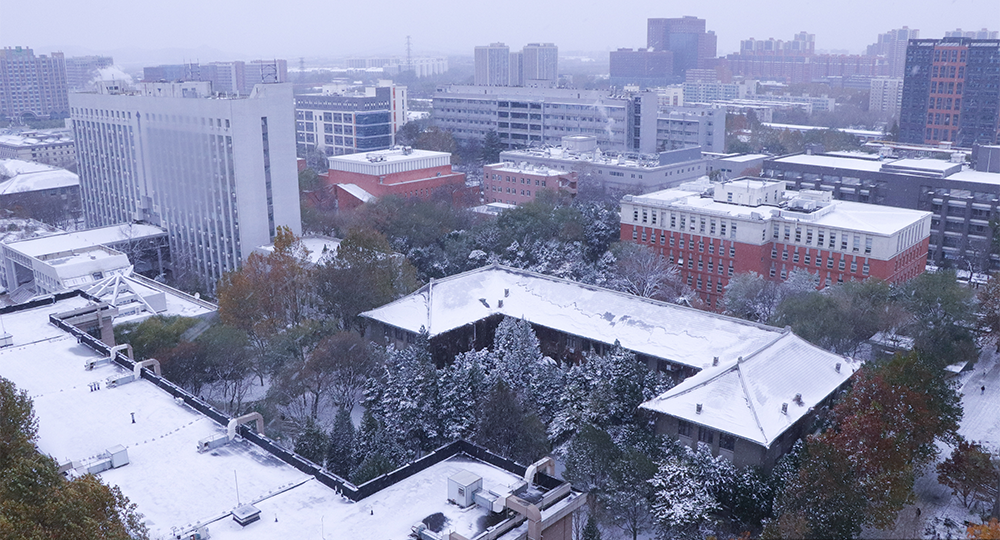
517, 354
461, 386
311, 443
682, 501
590, 530
506, 426
340, 451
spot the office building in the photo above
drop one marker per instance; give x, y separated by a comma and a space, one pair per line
686, 127
961, 199
540, 64
218, 173
642, 67
80, 70
492, 65
516, 183
172, 73
32, 85
618, 172
951, 92
421, 66
349, 122
886, 96
543, 116
233, 78
51, 146
892, 46
752, 225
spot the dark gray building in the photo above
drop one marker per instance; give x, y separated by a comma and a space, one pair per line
962, 199
344, 124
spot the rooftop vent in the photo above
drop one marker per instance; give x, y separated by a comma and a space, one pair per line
837, 367
798, 399
697, 408
246, 514
784, 408
715, 361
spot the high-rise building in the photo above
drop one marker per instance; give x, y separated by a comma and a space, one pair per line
264, 72
892, 46
886, 96
232, 78
795, 62
686, 38
541, 63
32, 85
493, 65
951, 92
226, 77
981, 34
516, 69
218, 173
80, 70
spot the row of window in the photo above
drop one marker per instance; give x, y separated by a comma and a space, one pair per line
514, 179
698, 223
808, 259
821, 237
707, 436
949, 55
327, 117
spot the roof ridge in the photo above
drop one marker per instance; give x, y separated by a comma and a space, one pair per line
750, 405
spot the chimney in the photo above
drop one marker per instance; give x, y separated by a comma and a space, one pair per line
697, 408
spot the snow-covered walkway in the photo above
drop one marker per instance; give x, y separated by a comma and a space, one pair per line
981, 423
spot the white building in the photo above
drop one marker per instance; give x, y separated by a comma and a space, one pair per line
492, 65
886, 96
540, 65
52, 146
686, 127
218, 173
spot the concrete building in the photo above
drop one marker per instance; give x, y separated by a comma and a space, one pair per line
81, 70
750, 225
492, 65
670, 96
233, 77
573, 320
892, 46
539, 116
735, 165
349, 122
517, 183
620, 172
673, 46
181, 478
886, 95
403, 172
686, 127
219, 173
421, 66
643, 67
980, 34
32, 85
50, 146
961, 199
541, 64
951, 92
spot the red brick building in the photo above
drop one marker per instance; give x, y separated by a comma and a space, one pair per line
513, 183
752, 225
403, 172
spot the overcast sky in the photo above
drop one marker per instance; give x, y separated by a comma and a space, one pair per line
134, 30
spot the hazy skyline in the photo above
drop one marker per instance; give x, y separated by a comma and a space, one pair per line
242, 30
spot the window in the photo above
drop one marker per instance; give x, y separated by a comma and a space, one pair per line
854, 266
833, 240
701, 246
868, 246
788, 233
635, 211
829, 262
798, 234
819, 238
784, 255
684, 428
673, 220
774, 253
635, 233
805, 259
727, 442
706, 435
671, 240
701, 226
857, 243
711, 248
732, 250
840, 264
722, 228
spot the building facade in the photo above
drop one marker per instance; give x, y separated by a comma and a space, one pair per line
961, 199
219, 174
892, 46
80, 70
795, 62
643, 67
951, 92
886, 96
234, 78
53, 147
540, 64
686, 38
32, 85
492, 65
749, 225
402, 172
686, 127
619, 172
539, 116
519, 183
339, 124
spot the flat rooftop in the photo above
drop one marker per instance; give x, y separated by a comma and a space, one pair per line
658, 329
537, 170
933, 167
26, 176
387, 156
176, 487
68, 241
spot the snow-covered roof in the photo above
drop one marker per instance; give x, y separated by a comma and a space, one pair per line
24, 176
682, 335
744, 397
67, 241
317, 246
138, 298
357, 192
832, 161
178, 488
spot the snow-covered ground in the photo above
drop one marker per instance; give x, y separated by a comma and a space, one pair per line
942, 515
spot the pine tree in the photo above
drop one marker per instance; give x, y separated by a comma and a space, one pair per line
590, 530
461, 386
311, 443
682, 501
517, 353
340, 451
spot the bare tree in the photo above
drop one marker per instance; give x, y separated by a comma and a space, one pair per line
643, 272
